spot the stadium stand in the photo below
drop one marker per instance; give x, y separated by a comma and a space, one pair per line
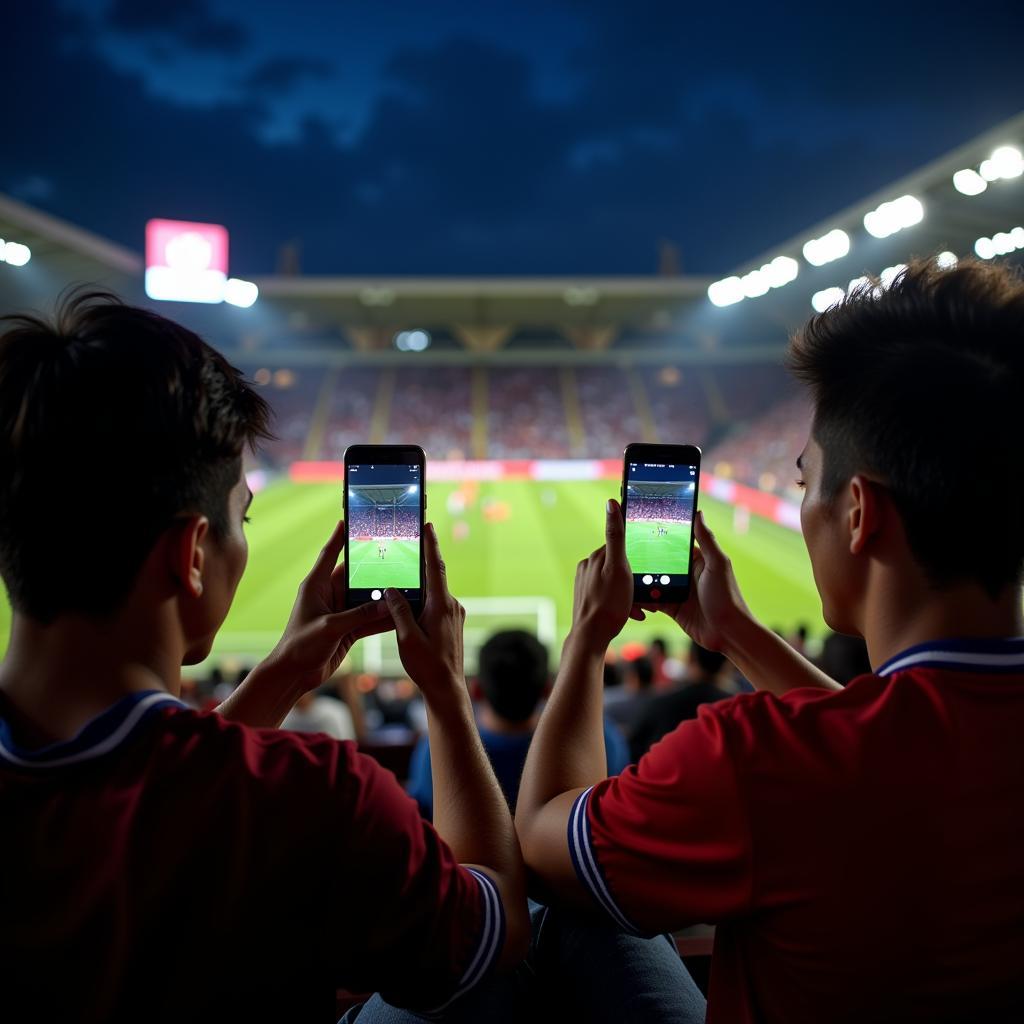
414, 417
764, 453
350, 415
608, 411
526, 416
292, 395
677, 403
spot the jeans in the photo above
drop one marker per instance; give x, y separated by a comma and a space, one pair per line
577, 968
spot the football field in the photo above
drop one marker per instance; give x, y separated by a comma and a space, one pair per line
653, 552
504, 542
400, 566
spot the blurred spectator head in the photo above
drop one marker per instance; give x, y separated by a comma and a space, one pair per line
659, 649
844, 657
640, 673
917, 386
706, 663
147, 424
612, 675
513, 673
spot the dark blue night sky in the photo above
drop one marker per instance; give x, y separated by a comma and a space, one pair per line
535, 137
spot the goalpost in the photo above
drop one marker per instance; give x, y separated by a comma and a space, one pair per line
484, 616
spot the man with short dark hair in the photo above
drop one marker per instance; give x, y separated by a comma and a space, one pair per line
861, 849
135, 828
512, 680
666, 710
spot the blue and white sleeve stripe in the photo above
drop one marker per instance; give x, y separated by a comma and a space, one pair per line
492, 938
585, 862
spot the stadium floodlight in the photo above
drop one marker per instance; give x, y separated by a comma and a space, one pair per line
984, 248
857, 282
14, 253
241, 293
827, 298
726, 292
419, 341
946, 260
755, 284
1005, 162
969, 182
781, 271
1000, 244
894, 216
186, 261
831, 246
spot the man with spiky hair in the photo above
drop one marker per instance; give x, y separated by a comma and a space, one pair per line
861, 849
137, 831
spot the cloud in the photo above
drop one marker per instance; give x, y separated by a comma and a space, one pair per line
190, 23
281, 75
461, 165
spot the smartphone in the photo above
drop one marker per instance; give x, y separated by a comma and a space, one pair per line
385, 501
659, 501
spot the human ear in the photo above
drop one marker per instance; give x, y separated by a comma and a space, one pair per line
864, 516
189, 555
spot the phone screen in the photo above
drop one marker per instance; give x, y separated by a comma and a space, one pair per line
384, 525
660, 498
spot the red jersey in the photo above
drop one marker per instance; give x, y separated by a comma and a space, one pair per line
861, 852
167, 865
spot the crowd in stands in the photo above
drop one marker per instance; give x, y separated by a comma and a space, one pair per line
350, 414
398, 521
526, 417
673, 510
678, 404
418, 397
608, 411
763, 453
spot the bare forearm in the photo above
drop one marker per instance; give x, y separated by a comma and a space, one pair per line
567, 751
263, 698
769, 662
470, 811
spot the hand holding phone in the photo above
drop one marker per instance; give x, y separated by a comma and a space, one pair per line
603, 591
431, 649
716, 611
320, 630
385, 502
659, 500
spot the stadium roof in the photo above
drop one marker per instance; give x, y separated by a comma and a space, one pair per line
951, 220
62, 254
603, 318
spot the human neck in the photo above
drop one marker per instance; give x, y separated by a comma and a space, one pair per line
903, 617
60, 676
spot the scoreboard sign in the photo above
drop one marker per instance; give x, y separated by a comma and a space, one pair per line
185, 261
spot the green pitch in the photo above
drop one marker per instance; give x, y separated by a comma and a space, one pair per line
513, 538
400, 566
649, 551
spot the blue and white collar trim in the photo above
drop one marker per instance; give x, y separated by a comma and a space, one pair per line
104, 733
971, 655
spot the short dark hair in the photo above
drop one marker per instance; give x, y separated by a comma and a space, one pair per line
643, 669
113, 422
919, 384
513, 673
708, 661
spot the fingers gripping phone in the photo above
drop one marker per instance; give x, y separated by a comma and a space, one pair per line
385, 501
659, 501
